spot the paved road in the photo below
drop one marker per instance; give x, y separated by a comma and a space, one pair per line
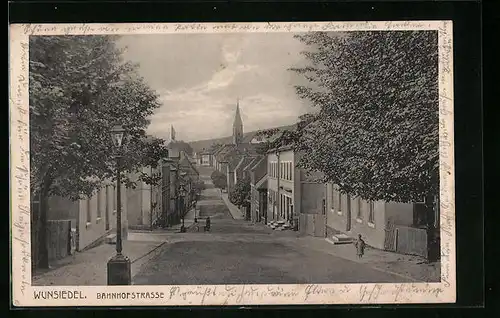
236, 252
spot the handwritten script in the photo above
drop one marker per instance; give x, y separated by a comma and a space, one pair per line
137, 28
446, 152
20, 166
234, 294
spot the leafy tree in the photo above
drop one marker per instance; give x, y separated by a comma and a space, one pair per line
374, 131
241, 192
276, 138
79, 88
219, 179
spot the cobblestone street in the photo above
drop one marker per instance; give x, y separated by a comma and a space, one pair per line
236, 251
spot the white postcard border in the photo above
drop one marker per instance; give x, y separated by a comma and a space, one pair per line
23, 293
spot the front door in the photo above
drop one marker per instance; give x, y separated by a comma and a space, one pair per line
348, 214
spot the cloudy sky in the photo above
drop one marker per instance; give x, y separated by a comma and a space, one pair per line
200, 76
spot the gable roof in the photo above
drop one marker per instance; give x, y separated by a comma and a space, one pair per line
245, 161
256, 163
262, 183
185, 162
251, 163
234, 160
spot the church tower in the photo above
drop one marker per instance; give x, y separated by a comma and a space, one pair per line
237, 126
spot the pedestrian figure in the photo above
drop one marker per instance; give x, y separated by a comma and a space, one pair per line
360, 246
196, 224
207, 224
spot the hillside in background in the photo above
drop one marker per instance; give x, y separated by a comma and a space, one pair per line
199, 145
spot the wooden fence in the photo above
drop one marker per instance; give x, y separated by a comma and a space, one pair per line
60, 240
312, 224
410, 240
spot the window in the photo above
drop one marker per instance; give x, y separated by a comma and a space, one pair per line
289, 208
359, 213
89, 210
114, 198
333, 198
99, 199
371, 212
339, 202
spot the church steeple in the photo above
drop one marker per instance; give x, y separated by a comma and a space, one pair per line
237, 125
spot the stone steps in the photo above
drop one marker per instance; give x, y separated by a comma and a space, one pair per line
110, 239
340, 239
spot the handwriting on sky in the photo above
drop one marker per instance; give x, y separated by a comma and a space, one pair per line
20, 163
33, 29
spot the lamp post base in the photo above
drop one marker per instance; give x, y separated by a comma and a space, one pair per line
119, 270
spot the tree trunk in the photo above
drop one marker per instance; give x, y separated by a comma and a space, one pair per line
433, 246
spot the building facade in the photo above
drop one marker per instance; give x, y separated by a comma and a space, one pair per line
258, 189
97, 216
142, 201
381, 224
290, 193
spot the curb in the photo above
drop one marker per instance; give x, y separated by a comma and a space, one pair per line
374, 267
229, 208
148, 253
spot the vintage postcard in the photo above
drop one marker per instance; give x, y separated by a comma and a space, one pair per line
232, 163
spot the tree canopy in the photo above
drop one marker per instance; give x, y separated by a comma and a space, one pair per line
374, 129
241, 192
79, 88
219, 179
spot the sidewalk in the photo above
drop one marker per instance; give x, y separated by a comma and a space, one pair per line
407, 266
176, 228
89, 268
233, 209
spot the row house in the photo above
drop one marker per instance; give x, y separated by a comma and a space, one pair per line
393, 226
161, 204
230, 163
258, 189
241, 169
290, 192
81, 224
205, 158
241, 172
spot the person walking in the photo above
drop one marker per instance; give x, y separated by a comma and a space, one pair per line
360, 246
207, 224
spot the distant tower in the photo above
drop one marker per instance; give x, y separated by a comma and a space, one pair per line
237, 126
173, 151
172, 133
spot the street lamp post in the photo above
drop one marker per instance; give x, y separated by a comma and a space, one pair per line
119, 269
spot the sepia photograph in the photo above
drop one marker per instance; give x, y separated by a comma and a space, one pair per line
236, 155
